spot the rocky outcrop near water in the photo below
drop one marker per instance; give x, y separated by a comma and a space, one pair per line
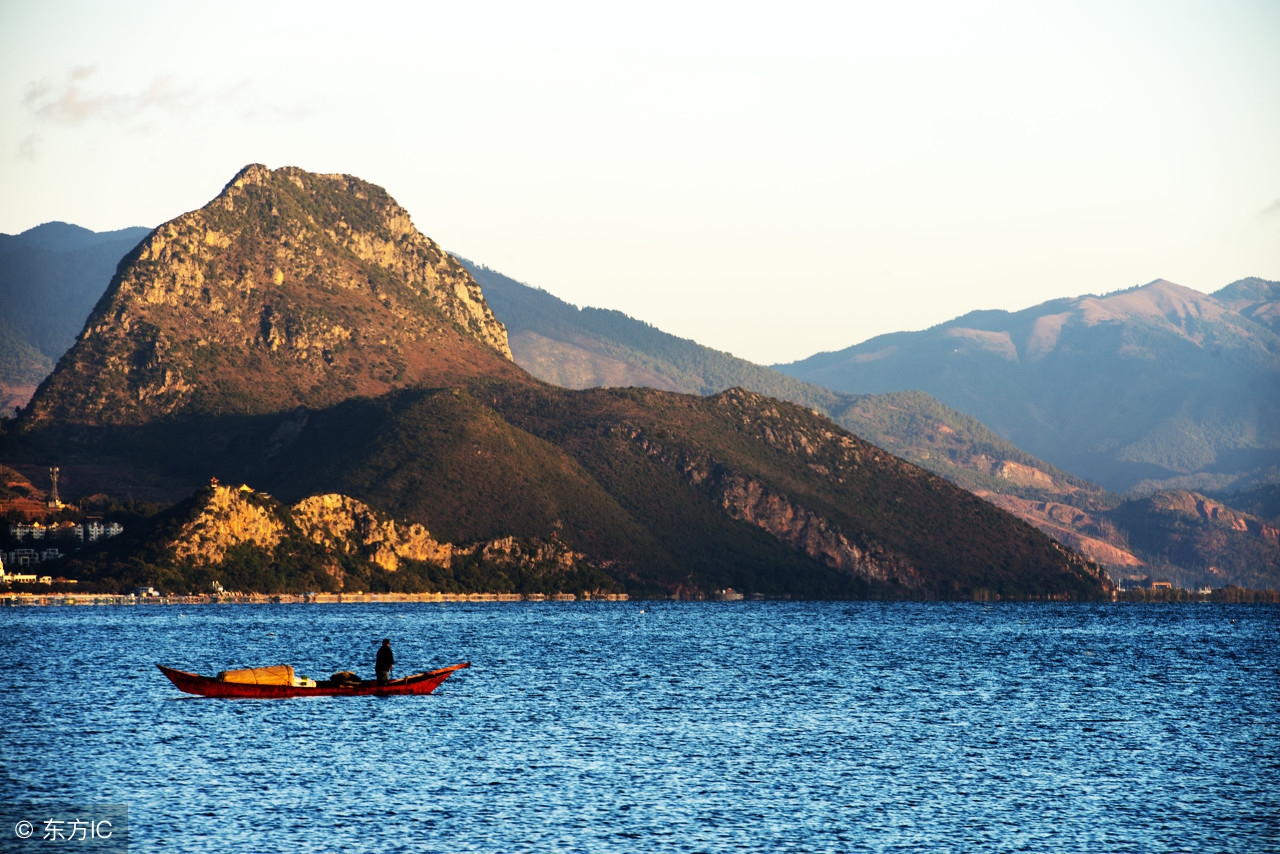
343, 524
227, 518
236, 538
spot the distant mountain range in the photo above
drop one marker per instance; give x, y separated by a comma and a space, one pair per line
1178, 536
1151, 388
299, 334
50, 278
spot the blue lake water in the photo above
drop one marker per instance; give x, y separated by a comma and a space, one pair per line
644, 726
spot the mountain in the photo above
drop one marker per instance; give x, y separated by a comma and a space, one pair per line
1156, 385
288, 289
666, 493
1193, 540
50, 278
298, 333
591, 347
1254, 298
1262, 502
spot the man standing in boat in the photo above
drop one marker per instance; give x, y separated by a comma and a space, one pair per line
386, 660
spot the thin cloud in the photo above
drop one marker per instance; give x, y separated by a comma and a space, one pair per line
73, 102
29, 148
1270, 210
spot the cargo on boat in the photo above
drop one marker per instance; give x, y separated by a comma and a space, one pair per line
278, 682
280, 674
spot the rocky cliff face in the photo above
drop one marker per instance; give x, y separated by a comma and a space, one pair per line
224, 518
229, 517
345, 525
802, 529
289, 288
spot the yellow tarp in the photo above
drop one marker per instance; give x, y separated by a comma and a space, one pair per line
280, 674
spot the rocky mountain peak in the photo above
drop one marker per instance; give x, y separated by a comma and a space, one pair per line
254, 173
290, 288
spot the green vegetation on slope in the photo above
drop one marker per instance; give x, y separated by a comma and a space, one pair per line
921, 529
441, 457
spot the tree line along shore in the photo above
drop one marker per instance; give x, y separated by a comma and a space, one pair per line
1222, 595
26, 599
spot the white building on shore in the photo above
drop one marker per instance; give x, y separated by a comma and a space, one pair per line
91, 531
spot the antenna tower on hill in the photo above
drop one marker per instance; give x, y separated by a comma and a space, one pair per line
54, 501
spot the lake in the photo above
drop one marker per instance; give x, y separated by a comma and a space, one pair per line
660, 726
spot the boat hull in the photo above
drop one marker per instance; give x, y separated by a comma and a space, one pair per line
207, 686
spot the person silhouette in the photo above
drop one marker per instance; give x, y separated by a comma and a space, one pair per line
386, 660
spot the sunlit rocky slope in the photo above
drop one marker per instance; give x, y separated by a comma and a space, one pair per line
242, 540
288, 289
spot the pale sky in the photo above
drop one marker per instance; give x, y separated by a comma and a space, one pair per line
769, 180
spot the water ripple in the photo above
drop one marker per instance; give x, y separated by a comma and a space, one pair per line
674, 727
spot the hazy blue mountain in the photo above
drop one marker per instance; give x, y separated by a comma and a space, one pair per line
1157, 385
66, 237
50, 278
1256, 299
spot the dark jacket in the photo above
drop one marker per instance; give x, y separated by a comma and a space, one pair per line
385, 658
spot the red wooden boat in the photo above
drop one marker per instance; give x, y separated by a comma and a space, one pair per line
208, 686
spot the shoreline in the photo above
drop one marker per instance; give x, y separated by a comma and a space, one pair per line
26, 600
20, 600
